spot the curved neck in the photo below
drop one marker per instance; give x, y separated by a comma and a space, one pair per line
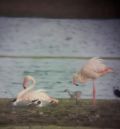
27, 89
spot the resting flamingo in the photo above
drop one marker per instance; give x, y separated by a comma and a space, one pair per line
92, 70
33, 96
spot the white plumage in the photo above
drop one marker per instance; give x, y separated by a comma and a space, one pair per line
30, 95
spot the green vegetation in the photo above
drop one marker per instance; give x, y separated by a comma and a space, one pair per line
65, 115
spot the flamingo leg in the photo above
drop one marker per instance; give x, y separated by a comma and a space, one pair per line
94, 93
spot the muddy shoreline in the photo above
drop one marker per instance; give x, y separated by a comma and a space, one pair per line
106, 114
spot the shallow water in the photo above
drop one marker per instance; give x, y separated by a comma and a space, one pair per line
48, 37
54, 75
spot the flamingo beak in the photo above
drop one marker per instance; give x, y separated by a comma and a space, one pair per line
25, 83
74, 82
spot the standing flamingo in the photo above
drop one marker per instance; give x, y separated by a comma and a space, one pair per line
92, 70
33, 96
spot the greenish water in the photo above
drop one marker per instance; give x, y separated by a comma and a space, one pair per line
54, 75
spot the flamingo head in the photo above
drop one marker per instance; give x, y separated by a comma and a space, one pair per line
26, 81
75, 80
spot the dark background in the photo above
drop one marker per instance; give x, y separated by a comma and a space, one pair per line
60, 8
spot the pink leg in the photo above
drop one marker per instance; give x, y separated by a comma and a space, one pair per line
94, 93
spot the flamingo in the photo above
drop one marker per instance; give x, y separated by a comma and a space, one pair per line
28, 95
92, 70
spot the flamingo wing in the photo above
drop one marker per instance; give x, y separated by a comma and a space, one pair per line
42, 96
95, 64
92, 69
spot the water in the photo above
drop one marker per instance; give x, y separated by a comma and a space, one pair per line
48, 37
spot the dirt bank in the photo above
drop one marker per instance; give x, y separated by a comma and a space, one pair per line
105, 115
